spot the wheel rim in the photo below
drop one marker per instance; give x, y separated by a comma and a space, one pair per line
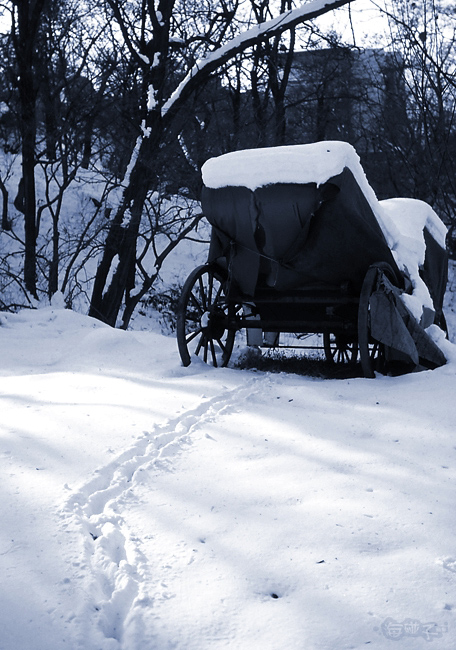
203, 317
339, 349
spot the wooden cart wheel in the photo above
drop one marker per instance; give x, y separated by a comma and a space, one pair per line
372, 352
202, 319
339, 348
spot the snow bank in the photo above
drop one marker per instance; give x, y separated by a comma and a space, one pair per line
147, 505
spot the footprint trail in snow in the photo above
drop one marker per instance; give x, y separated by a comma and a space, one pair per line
112, 561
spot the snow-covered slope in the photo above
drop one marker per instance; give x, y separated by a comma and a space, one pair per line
145, 505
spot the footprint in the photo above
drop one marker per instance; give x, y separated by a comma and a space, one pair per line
448, 563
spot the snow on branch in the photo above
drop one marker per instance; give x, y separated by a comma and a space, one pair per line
263, 31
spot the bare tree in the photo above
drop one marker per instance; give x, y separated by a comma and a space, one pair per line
152, 45
423, 37
63, 64
270, 71
26, 18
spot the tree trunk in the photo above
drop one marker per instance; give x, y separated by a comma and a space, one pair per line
28, 175
5, 221
24, 38
121, 239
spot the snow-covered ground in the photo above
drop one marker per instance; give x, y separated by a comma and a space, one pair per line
149, 506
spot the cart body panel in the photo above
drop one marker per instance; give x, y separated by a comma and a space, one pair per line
288, 235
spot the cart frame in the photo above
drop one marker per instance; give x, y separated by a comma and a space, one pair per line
210, 313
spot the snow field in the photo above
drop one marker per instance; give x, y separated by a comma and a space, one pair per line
146, 505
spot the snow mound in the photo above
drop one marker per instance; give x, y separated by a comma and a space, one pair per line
404, 222
418, 216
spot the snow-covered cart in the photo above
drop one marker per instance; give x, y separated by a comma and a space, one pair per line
300, 244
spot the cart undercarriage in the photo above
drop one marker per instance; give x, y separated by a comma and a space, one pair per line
208, 319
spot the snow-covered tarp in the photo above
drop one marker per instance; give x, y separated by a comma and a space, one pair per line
306, 214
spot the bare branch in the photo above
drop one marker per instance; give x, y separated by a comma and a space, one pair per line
263, 31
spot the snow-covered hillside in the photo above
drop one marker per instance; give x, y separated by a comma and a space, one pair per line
146, 505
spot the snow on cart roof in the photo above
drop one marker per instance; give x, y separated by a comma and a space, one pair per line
303, 163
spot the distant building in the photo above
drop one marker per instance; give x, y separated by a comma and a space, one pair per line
343, 94
332, 94
352, 95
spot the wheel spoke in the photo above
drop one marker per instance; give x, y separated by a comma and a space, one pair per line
374, 350
209, 291
203, 294
218, 294
214, 356
194, 299
191, 335
200, 344
222, 346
